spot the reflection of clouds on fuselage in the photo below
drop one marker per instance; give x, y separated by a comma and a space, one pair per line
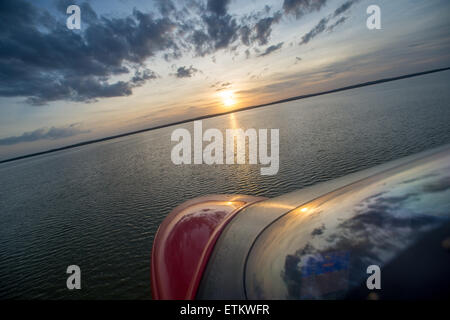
438, 186
381, 225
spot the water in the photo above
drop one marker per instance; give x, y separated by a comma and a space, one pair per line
99, 206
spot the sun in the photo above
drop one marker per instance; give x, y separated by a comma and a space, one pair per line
227, 97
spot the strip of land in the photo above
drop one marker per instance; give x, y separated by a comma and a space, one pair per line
228, 112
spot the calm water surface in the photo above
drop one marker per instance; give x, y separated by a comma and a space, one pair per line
99, 206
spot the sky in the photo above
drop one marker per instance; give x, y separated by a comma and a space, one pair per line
137, 64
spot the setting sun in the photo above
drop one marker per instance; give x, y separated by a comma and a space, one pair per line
228, 99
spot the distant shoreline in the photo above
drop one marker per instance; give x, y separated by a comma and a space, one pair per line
227, 112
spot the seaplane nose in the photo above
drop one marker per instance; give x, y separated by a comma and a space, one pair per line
185, 240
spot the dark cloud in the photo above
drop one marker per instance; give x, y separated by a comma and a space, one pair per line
338, 22
217, 29
263, 28
61, 5
323, 23
44, 61
344, 7
165, 7
201, 42
89, 15
211, 33
222, 31
45, 134
301, 7
318, 29
271, 49
140, 77
221, 85
218, 7
184, 72
257, 26
245, 33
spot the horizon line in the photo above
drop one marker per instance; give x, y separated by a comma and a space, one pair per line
355, 86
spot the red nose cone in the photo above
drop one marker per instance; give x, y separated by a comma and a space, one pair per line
185, 240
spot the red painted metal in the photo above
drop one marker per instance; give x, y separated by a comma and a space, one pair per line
185, 240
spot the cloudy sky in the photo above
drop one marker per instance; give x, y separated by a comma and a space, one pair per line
136, 64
